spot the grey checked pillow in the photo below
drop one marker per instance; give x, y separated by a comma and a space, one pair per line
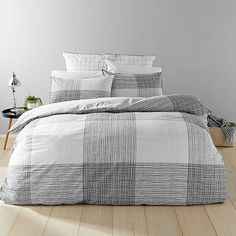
136, 85
96, 62
72, 89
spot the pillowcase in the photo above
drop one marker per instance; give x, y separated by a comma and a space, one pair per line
136, 85
96, 62
116, 67
138, 60
73, 89
76, 75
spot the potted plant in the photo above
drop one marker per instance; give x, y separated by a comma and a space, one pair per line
32, 102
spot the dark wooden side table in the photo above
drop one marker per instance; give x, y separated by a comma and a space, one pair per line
10, 114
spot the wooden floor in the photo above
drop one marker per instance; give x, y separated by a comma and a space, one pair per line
85, 220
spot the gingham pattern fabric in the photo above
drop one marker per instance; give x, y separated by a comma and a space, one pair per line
75, 89
96, 62
116, 151
137, 85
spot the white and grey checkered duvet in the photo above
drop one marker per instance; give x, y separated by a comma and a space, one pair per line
118, 151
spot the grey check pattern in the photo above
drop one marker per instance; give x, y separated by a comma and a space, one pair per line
69, 95
137, 85
109, 159
96, 62
110, 164
67, 90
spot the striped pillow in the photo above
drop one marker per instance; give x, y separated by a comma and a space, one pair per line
72, 89
137, 85
91, 62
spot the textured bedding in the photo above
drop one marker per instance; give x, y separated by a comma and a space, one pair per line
118, 151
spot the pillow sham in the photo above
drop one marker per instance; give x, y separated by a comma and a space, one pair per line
136, 85
69, 89
138, 60
116, 67
96, 62
76, 75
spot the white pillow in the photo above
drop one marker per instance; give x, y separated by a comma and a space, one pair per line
116, 67
76, 75
103, 84
96, 62
74, 89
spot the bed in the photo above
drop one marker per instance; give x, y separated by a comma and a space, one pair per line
93, 147
115, 151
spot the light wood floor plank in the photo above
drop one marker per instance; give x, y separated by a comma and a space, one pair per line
228, 165
2, 153
8, 213
64, 221
129, 221
223, 217
9, 146
231, 182
230, 177
231, 186
162, 220
31, 221
96, 221
3, 166
230, 153
8, 216
194, 221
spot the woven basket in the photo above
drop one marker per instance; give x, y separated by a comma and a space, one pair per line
218, 137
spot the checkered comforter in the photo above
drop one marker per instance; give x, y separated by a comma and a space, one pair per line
118, 151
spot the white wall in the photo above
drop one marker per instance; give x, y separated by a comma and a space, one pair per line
195, 41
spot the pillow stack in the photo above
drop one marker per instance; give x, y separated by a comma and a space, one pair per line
91, 76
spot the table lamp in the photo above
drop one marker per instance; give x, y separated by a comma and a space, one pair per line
13, 83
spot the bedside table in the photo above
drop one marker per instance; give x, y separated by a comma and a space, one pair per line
10, 114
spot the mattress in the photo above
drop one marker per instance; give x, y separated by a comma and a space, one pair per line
115, 151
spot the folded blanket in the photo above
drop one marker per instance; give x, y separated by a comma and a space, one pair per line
228, 128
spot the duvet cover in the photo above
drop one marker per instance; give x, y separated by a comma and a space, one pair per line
115, 151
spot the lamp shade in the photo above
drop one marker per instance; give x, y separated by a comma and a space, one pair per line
14, 82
